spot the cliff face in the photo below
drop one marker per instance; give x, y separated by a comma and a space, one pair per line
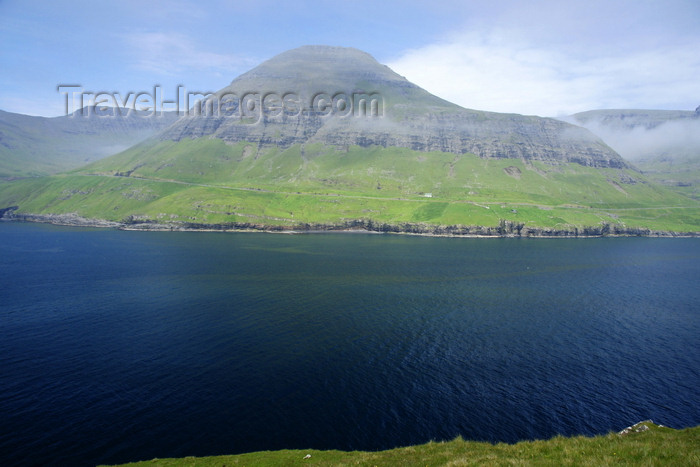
343, 97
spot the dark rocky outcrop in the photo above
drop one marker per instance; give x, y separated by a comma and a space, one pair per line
7, 212
60, 219
505, 228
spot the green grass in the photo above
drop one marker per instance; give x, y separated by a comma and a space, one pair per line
382, 172
657, 446
207, 181
680, 174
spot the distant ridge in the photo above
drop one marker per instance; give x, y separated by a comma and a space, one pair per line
31, 146
663, 144
633, 118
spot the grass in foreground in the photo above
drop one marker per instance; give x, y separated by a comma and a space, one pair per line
655, 445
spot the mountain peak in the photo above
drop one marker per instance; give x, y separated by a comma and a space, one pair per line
311, 52
319, 68
321, 56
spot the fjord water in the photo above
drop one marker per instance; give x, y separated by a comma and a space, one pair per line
122, 346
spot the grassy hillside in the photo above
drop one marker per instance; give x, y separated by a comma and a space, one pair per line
653, 446
31, 146
207, 181
680, 173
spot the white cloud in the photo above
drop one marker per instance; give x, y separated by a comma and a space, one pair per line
492, 71
174, 53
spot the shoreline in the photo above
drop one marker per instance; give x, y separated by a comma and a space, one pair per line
644, 443
506, 229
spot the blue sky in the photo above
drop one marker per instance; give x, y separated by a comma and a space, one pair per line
546, 58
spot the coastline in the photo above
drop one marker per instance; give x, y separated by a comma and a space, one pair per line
644, 443
505, 229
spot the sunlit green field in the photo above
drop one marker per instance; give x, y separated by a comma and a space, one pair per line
207, 181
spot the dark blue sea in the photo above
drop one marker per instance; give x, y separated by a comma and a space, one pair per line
123, 346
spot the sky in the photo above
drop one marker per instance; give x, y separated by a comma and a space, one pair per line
547, 58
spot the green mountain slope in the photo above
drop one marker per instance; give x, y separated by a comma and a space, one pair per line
206, 181
680, 172
32, 146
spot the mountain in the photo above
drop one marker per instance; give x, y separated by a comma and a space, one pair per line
31, 146
326, 137
410, 116
663, 144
